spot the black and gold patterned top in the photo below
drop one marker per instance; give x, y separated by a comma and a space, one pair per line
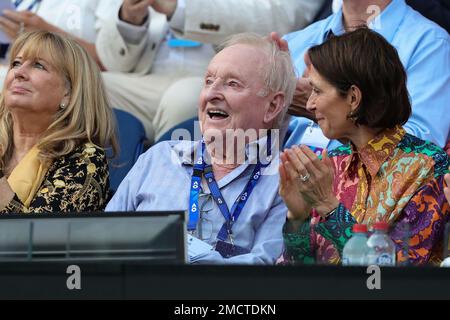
77, 182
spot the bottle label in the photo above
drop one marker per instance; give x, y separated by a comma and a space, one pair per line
345, 261
384, 260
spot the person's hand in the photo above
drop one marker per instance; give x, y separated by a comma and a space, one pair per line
281, 43
166, 7
447, 186
135, 11
301, 95
314, 178
290, 192
15, 22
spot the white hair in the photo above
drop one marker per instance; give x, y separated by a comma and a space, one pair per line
280, 73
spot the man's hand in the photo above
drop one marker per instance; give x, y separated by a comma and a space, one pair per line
11, 23
282, 44
301, 96
166, 7
135, 11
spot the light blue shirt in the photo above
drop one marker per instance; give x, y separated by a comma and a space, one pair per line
161, 179
424, 49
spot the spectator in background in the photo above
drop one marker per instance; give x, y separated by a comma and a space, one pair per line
55, 123
424, 50
143, 45
435, 10
213, 21
81, 19
383, 174
247, 88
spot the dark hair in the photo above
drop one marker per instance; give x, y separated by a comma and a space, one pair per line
365, 59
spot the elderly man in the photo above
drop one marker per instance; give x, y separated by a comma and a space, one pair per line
235, 212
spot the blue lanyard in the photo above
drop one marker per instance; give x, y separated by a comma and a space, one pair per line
200, 168
17, 3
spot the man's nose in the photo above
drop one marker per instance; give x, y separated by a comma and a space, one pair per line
214, 90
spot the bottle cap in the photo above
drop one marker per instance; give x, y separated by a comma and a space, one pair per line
381, 226
359, 228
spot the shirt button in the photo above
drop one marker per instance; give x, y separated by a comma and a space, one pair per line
122, 52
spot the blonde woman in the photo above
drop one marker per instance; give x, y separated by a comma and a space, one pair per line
55, 123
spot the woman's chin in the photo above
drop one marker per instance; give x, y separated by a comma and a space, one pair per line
324, 129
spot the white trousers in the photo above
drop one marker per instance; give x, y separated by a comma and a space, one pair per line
160, 102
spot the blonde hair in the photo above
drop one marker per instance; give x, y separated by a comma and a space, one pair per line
280, 73
87, 117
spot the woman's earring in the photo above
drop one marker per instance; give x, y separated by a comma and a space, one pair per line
352, 116
62, 106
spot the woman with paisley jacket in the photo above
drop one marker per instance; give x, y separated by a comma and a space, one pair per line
382, 173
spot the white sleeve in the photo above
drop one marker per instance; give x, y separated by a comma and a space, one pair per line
212, 21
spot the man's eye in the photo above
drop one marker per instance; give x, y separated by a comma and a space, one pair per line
208, 82
233, 84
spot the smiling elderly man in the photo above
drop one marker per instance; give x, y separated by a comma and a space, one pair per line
235, 212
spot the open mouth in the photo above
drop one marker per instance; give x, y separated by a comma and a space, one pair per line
217, 114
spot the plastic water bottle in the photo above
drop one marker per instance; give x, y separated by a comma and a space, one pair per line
381, 247
355, 250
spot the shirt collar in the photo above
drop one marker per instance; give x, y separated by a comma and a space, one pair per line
335, 26
187, 151
378, 150
390, 19
386, 25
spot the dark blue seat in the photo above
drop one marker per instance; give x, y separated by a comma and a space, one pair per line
131, 137
191, 125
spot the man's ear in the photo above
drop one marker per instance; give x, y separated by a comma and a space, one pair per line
354, 97
274, 108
